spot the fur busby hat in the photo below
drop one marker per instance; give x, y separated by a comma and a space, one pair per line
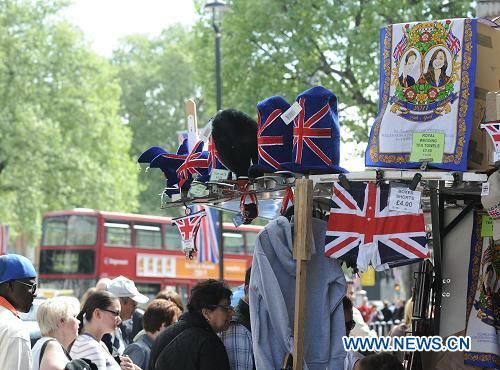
235, 138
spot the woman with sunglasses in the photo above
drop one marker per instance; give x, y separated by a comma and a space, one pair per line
100, 315
192, 342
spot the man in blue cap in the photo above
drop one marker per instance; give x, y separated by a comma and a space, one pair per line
17, 291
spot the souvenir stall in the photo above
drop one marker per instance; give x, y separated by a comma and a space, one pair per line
430, 159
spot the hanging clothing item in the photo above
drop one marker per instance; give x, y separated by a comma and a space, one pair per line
363, 231
272, 300
427, 73
483, 312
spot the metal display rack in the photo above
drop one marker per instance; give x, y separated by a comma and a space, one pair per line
438, 188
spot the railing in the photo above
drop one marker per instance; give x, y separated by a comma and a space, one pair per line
382, 328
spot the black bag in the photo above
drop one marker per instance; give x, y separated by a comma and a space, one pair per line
76, 364
80, 364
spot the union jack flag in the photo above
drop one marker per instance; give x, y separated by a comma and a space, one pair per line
453, 43
4, 238
188, 227
208, 237
493, 129
196, 163
362, 230
304, 133
400, 48
214, 157
266, 140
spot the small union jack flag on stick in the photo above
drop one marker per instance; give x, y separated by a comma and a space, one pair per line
196, 163
362, 230
453, 43
400, 48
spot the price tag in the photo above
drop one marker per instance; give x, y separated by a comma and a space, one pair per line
487, 226
219, 175
198, 190
427, 147
291, 113
403, 199
485, 189
176, 197
238, 219
187, 245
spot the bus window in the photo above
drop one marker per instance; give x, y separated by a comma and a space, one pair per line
250, 242
234, 242
148, 289
147, 235
67, 261
117, 233
69, 230
172, 238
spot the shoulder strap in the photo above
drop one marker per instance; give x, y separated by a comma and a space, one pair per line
42, 350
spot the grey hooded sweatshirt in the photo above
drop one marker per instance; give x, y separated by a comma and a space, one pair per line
272, 300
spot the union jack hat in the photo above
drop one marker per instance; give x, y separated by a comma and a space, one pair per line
169, 163
156, 158
274, 136
196, 163
316, 134
150, 154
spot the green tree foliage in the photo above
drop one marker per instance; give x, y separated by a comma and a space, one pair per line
157, 77
282, 47
62, 143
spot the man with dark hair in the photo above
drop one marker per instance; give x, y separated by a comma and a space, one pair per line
159, 315
238, 338
131, 324
17, 291
192, 342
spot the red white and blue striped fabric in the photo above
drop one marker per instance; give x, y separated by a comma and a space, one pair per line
208, 236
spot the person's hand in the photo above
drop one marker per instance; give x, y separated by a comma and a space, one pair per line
127, 364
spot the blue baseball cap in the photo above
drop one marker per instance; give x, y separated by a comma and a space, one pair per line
15, 267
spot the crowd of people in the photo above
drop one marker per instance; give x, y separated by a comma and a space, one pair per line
108, 331
389, 312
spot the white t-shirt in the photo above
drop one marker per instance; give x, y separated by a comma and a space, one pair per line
37, 349
85, 346
15, 347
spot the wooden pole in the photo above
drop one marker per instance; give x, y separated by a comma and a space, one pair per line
192, 123
301, 253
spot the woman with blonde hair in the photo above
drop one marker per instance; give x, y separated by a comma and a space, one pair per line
59, 327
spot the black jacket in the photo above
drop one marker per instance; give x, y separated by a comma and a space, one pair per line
189, 344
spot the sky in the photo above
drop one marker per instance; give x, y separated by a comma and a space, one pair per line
104, 22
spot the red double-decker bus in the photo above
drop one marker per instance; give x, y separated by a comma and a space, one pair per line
81, 246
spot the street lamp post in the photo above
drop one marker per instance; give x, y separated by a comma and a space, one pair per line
218, 7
